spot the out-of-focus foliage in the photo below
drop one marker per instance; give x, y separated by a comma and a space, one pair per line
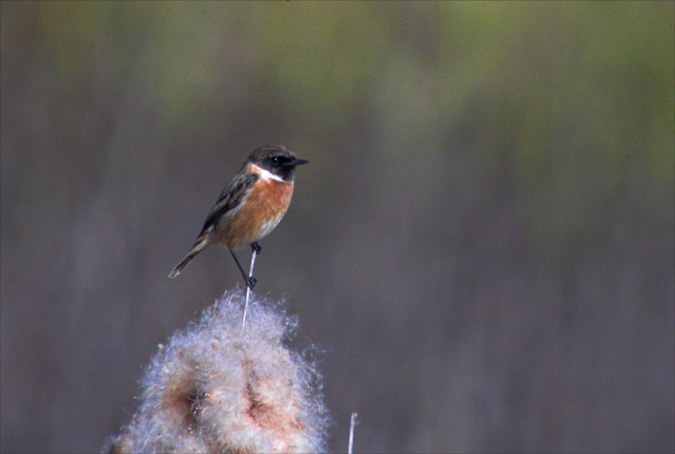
482, 242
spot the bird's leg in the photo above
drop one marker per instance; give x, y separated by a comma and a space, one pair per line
250, 280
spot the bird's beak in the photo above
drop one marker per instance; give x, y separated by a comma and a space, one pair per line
298, 162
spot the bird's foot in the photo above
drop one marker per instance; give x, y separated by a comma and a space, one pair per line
251, 281
255, 246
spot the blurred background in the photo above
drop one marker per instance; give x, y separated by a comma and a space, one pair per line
480, 252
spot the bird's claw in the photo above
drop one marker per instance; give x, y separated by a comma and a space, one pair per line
251, 281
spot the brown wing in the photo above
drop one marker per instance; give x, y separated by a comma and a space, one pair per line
228, 202
230, 199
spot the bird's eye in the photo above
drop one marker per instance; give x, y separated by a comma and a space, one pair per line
275, 159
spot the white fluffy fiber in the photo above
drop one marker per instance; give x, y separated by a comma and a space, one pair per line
217, 388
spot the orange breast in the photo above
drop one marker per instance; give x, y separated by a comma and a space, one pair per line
263, 208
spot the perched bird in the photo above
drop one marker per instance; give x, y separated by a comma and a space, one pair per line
250, 206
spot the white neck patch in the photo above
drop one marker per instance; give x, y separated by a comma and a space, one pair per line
266, 174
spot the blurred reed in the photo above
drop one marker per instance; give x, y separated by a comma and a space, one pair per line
216, 387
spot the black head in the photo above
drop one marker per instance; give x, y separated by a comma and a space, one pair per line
276, 159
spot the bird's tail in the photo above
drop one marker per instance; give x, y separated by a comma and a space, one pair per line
196, 249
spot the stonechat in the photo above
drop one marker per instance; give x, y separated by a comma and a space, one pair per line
250, 206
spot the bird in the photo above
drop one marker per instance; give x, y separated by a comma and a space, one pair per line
250, 206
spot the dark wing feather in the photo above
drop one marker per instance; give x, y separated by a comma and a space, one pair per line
230, 198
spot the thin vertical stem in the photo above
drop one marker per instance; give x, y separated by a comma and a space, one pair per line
352, 423
248, 289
